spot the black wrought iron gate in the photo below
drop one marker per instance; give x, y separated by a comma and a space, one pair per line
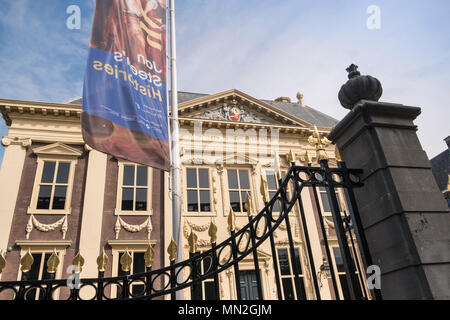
344, 268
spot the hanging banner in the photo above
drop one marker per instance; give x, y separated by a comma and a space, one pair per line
125, 93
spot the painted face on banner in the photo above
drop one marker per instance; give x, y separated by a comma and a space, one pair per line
234, 114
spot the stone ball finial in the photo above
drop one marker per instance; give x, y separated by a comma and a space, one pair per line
358, 88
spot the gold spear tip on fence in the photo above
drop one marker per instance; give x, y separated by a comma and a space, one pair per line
192, 240
53, 262
338, 154
264, 188
2, 262
78, 261
307, 157
149, 256
248, 205
212, 232
172, 250
102, 261
125, 261
232, 220
291, 156
276, 166
26, 261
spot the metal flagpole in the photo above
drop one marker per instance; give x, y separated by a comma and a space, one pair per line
175, 159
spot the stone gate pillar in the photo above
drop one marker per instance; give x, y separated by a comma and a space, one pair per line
404, 217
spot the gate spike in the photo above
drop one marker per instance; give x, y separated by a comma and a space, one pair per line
338, 154
291, 156
263, 188
232, 220
248, 205
125, 261
212, 232
172, 250
149, 256
192, 240
78, 261
26, 261
276, 166
102, 261
53, 262
2, 262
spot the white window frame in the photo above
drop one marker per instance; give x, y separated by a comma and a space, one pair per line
56, 152
292, 275
228, 190
118, 210
185, 193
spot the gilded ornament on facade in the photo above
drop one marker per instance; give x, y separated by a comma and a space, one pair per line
53, 262
102, 261
78, 261
320, 142
149, 256
212, 232
125, 261
172, 250
192, 240
26, 262
232, 220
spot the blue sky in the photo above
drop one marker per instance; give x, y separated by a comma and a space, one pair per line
266, 48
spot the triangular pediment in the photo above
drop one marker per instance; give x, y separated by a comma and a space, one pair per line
236, 107
57, 149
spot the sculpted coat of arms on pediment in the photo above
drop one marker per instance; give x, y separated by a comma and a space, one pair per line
233, 113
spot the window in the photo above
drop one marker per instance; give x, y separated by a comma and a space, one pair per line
340, 271
137, 266
134, 193
238, 186
38, 272
326, 206
287, 275
198, 190
52, 190
272, 186
207, 289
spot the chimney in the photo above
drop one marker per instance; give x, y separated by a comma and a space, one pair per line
447, 140
283, 99
300, 99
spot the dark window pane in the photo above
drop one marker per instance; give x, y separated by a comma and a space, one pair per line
232, 179
128, 175
63, 172
192, 201
203, 178
34, 271
49, 172
301, 295
276, 205
141, 199
235, 202
205, 204
191, 178
44, 197
127, 199
45, 275
138, 262
325, 203
271, 180
338, 259
284, 262
210, 290
142, 176
243, 179
59, 198
297, 258
288, 289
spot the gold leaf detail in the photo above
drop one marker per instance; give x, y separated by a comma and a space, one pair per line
53, 262
102, 261
125, 261
149, 256
212, 232
192, 240
78, 261
26, 262
232, 220
172, 250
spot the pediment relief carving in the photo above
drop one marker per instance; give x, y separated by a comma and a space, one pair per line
57, 149
234, 113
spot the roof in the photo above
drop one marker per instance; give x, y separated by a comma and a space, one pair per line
441, 169
306, 113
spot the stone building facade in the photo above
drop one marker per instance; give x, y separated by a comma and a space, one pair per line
56, 193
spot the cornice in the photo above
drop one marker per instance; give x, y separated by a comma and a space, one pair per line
8, 141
